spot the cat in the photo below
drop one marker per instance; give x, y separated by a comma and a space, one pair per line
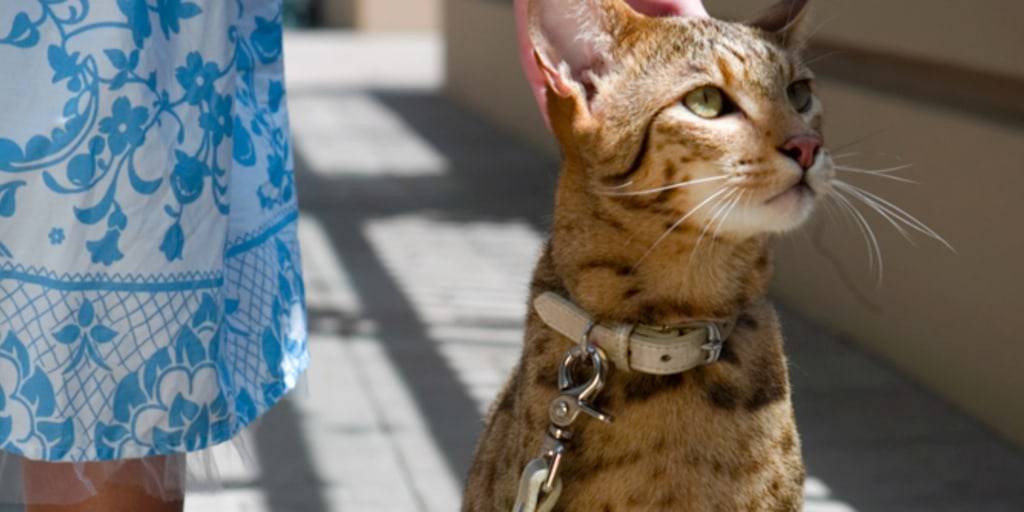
688, 144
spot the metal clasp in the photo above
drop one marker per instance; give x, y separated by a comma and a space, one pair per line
715, 342
576, 398
565, 409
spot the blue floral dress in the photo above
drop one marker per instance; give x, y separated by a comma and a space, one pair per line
151, 297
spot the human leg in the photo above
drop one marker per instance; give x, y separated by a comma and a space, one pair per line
143, 485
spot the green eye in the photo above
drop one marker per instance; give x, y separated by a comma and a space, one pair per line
707, 102
800, 95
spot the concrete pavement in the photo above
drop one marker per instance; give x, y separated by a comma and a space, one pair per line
422, 223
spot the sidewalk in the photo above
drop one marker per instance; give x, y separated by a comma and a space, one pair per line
421, 225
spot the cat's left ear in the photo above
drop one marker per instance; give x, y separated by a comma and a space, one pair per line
574, 41
785, 20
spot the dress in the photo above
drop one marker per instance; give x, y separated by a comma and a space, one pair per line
151, 296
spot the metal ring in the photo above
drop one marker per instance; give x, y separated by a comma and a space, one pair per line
595, 382
584, 341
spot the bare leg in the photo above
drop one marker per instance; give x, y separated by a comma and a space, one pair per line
120, 486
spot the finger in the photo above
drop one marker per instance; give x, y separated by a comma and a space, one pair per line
533, 74
693, 8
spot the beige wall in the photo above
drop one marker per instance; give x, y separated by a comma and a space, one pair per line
383, 15
483, 67
953, 321
979, 34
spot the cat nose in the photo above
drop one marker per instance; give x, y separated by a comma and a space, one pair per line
803, 149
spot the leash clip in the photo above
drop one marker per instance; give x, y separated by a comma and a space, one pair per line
576, 398
539, 486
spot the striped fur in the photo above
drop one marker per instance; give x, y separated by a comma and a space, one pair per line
721, 437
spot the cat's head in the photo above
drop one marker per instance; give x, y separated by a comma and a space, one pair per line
716, 120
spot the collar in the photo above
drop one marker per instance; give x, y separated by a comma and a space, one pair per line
637, 347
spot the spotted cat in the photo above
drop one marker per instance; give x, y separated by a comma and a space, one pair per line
688, 143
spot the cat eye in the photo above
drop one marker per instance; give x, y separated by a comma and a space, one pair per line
800, 95
708, 102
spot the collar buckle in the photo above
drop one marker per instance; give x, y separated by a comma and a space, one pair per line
715, 342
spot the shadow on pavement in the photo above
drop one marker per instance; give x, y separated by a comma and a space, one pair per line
879, 442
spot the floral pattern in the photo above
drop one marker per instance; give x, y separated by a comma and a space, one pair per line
83, 333
151, 295
28, 407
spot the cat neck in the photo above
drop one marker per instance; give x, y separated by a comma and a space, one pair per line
603, 257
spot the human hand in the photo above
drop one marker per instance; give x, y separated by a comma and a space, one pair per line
669, 7
694, 8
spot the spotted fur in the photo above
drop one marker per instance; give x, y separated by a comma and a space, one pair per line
720, 437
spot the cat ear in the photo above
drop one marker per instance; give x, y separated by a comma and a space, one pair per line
574, 40
785, 20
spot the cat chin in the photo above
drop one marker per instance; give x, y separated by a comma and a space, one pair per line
786, 213
792, 214
793, 222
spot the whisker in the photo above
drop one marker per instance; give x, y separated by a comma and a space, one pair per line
720, 207
900, 214
831, 213
869, 232
877, 174
861, 139
878, 171
885, 214
662, 189
870, 153
890, 155
844, 207
729, 212
845, 155
810, 35
825, 55
846, 215
623, 186
680, 223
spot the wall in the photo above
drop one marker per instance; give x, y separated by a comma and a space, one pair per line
936, 83
383, 15
483, 66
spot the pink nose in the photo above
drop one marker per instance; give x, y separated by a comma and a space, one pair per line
803, 149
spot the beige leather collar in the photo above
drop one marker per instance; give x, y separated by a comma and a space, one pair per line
640, 348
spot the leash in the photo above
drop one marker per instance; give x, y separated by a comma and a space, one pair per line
646, 349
